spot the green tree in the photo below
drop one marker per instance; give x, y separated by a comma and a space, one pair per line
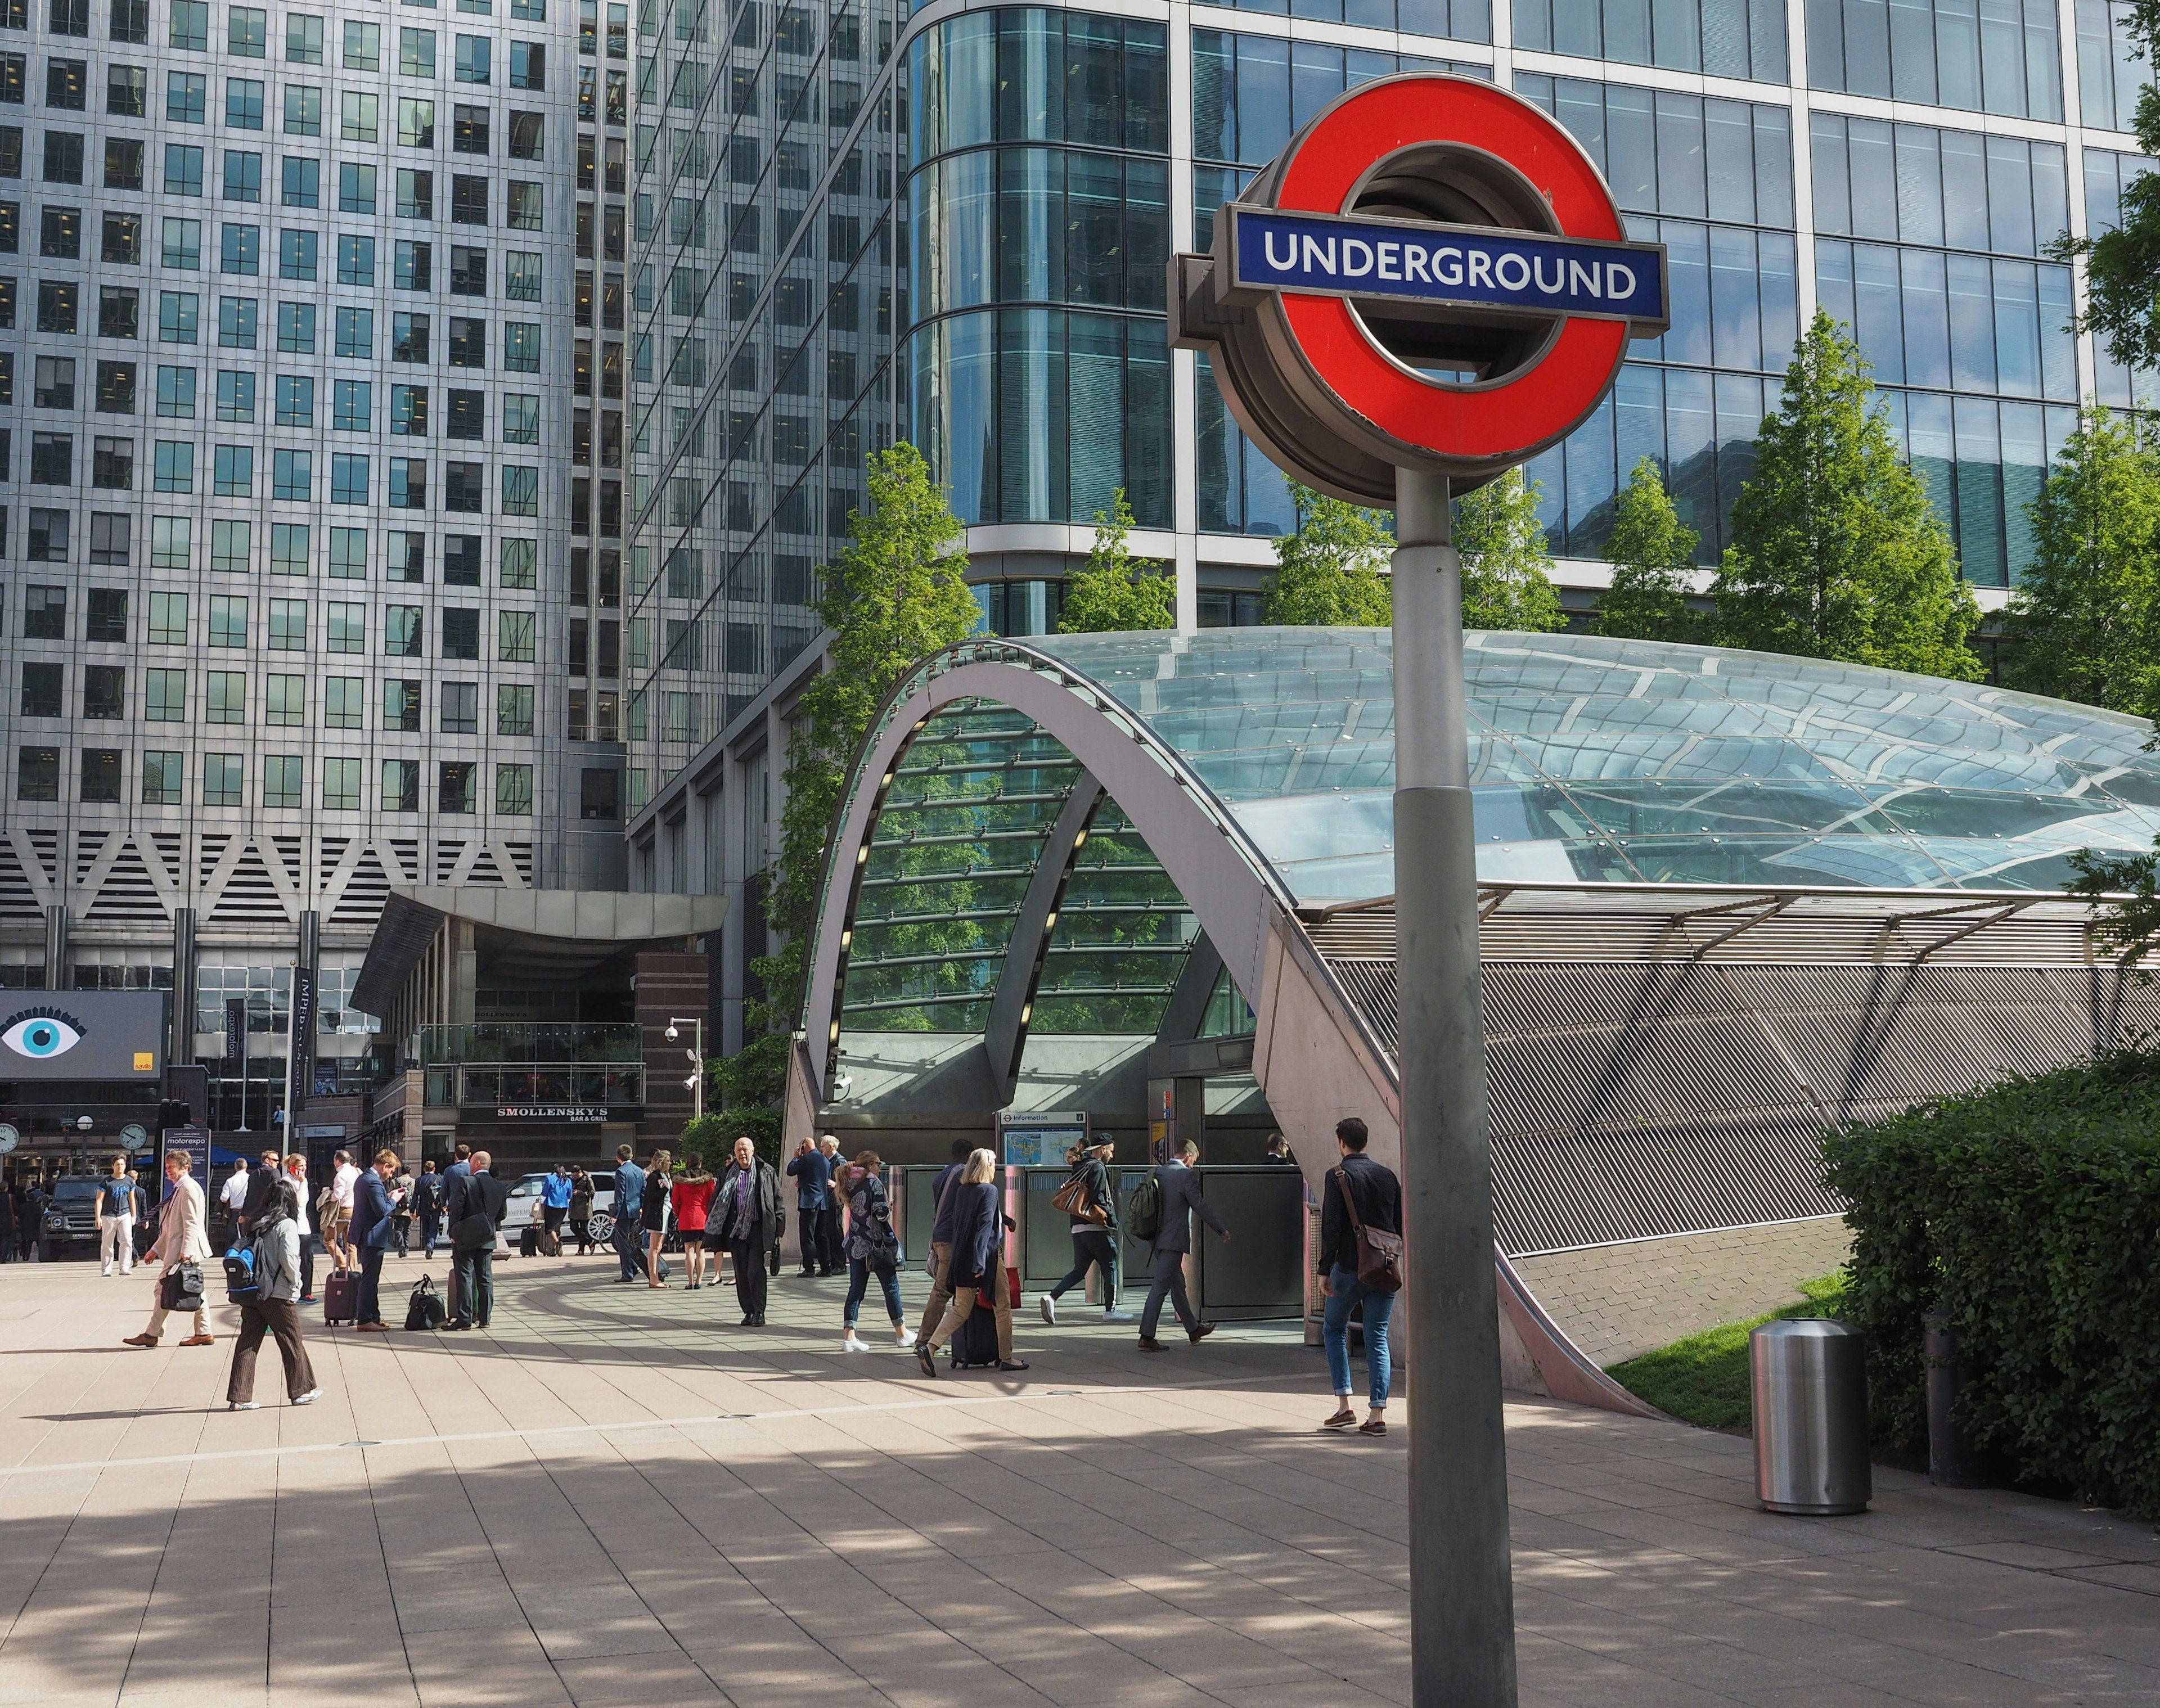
1113, 590
2123, 266
2084, 623
1652, 553
1506, 580
1835, 551
896, 594
1327, 570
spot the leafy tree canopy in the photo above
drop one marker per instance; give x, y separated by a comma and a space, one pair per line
896, 594
1327, 571
1506, 566
2084, 623
1113, 590
1651, 552
1836, 552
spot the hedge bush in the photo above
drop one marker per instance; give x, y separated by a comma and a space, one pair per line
2030, 1213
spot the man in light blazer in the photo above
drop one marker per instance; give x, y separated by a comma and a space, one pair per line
182, 1238
1181, 1202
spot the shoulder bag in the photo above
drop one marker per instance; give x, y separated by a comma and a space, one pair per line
1379, 1255
1073, 1199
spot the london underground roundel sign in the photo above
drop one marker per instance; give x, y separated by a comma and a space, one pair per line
1433, 274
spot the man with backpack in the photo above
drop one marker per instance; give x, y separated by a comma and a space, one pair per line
1175, 1188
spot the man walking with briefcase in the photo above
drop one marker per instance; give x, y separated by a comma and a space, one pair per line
182, 1249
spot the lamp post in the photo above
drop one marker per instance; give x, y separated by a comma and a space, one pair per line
695, 1084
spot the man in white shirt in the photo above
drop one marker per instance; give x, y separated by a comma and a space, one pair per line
341, 1185
232, 1197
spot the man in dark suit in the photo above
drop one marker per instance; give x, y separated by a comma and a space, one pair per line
260, 1183
1181, 1202
746, 1214
373, 1206
473, 1206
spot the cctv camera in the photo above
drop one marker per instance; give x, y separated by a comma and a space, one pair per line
691, 1083
671, 1034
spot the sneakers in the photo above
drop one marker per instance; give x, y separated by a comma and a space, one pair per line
1049, 1310
852, 1345
243, 1405
307, 1399
107, 1270
1109, 1316
905, 1339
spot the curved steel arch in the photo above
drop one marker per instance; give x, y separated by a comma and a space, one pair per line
1183, 821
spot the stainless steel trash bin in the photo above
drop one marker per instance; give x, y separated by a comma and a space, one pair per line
1810, 1384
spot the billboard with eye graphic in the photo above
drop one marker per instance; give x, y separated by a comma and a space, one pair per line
79, 1035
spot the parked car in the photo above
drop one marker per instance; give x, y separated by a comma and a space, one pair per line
523, 1212
70, 1223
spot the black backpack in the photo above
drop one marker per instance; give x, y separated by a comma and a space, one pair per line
427, 1309
1144, 1210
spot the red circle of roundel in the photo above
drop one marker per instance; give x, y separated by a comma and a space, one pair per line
1545, 399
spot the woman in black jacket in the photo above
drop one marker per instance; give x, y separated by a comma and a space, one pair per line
1095, 1232
978, 1233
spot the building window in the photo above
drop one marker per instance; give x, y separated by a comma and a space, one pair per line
296, 328
408, 484
348, 554
165, 696
236, 395
184, 169
461, 560
223, 774
164, 778
401, 704
171, 542
228, 620
37, 773
520, 562
347, 627
104, 690
359, 116
300, 182
233, 470
247, 33
232, 546
468, 200
344, 702
513, 791
513, 708
401, 786
304, 111
296, 400
356, 333
460, 709
289, 548
460, 633
176, 392
281, 779
169, 620
225, 697
348, 479
100, 775
416, 123
293, 476
465, 488
177, 313
186, 97
243, 103
363, 47
243, 176
352, 406
288, 625
402, 631
47, 541
356, 261
408, 411
44, 688
112, 463
521, 280
241, 251
405, 556
408, 338
520, 347
342, 785
111, 538
296, 256
454, 786
285, 700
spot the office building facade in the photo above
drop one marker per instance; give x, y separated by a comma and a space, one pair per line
299, 312
852, 225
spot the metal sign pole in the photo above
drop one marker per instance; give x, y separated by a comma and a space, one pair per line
1462, 1602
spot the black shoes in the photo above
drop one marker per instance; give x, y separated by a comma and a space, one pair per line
1149, 1343
1197, 1334
926, 1358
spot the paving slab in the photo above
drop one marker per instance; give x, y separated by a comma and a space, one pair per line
616, 1495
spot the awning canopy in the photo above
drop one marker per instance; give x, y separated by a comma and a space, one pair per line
520, 935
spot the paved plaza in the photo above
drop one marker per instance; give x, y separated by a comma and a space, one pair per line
616, 1496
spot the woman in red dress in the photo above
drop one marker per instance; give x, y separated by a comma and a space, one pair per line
692, 1195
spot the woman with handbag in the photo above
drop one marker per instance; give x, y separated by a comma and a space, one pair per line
1361, 1262
871, 1248
1086, 1196
581, 1208
181, 1249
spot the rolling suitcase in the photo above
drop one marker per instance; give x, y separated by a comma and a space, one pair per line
341, 1296
976, 1344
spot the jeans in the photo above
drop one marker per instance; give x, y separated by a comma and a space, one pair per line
369, 1307
1169, 1283
475, 1272
628, 1241
1346, 1292
858, 1282
280, 1317
1093, 1249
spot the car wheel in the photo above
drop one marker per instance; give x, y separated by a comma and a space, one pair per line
46, 1255
601, 1227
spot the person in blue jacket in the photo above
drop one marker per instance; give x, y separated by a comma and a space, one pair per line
372, 1203
812, 1174
628, 1211
979, 1234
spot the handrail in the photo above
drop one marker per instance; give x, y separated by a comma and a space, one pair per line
1320, 913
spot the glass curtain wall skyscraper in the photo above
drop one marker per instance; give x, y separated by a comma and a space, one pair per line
854, 226
290, 324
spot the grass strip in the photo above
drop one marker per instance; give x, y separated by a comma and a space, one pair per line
1702, 1378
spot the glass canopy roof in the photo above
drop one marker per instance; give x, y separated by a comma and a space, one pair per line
1636, 761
